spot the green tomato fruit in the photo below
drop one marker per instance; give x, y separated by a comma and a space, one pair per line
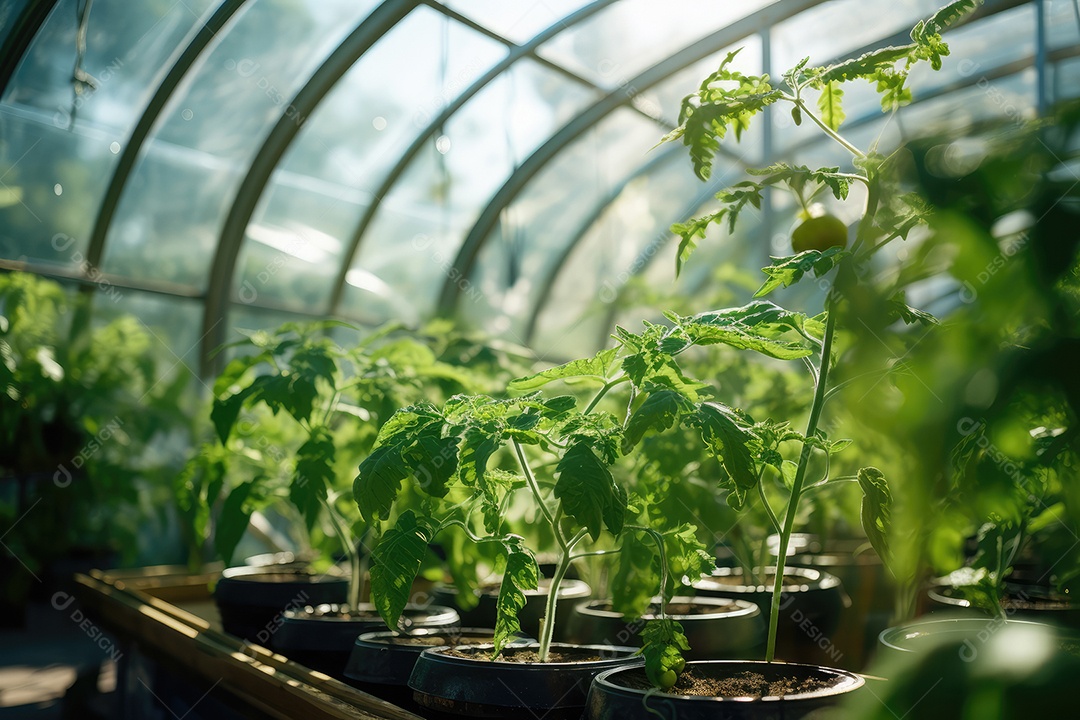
819, 233
667, 679
678, 666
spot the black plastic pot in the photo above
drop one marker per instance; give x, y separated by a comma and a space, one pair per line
969, 633
251, 600
322, 637
1021, 601
381, 662
717, 628
625, 693
483, 615
868, 586
479, 687
810, 609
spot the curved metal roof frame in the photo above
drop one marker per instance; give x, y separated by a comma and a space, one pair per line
219, 288
203, 36
1038, 60
516, 53
22, 34
603, 107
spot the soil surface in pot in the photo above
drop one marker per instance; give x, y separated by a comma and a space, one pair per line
528, 656
437, 640
746, 684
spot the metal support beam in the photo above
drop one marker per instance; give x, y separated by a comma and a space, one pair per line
22, 33
516, 53
592, 115
149, 117
220, 288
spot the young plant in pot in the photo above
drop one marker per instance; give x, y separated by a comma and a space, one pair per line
300, 408
466, 463
754, 452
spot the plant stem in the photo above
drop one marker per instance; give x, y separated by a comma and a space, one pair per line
828, 130
796, 488
603, 391
539, 498
765, 501
345, 538
547, 624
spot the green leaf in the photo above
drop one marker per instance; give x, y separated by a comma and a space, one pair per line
944, 18
910, 315
660, 411
521, 574
663, 642
233, 520
786, 271
865, 65
731, 445
876, 510
588, 492
433, 461
761, 326
226, 410
733, 200
831, 105
314, 473
798, 176
687, 557
394, 565
378, 482
596, 368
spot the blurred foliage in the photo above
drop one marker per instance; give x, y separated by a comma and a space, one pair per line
84, 415
985, 405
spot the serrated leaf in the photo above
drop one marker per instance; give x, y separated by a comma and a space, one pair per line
433, 460
899, 308
314, 473
394, 564
876, 510
786, 271
687, 557
865, 65
660, 411
588, 492
831, 105
797, 176
596, 368
945, 18
521, 574
378, 482
731, 445
233, 520
761, 326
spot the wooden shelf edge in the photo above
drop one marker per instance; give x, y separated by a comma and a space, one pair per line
269, 682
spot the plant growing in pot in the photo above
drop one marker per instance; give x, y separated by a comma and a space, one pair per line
451, 461
331, 401
753, 452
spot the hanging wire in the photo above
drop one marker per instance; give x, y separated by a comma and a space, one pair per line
82, 82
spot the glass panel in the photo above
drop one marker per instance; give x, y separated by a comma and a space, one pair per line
49, 186
516, 21
547, 214
314, 202
170, 215
424, 219
631, 233
1066, 80
52, 172
128, 50
619, 42
1062, 23
173, 323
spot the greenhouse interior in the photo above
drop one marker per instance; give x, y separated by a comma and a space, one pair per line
539, 358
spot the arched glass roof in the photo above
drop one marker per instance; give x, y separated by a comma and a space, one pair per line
211, 164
